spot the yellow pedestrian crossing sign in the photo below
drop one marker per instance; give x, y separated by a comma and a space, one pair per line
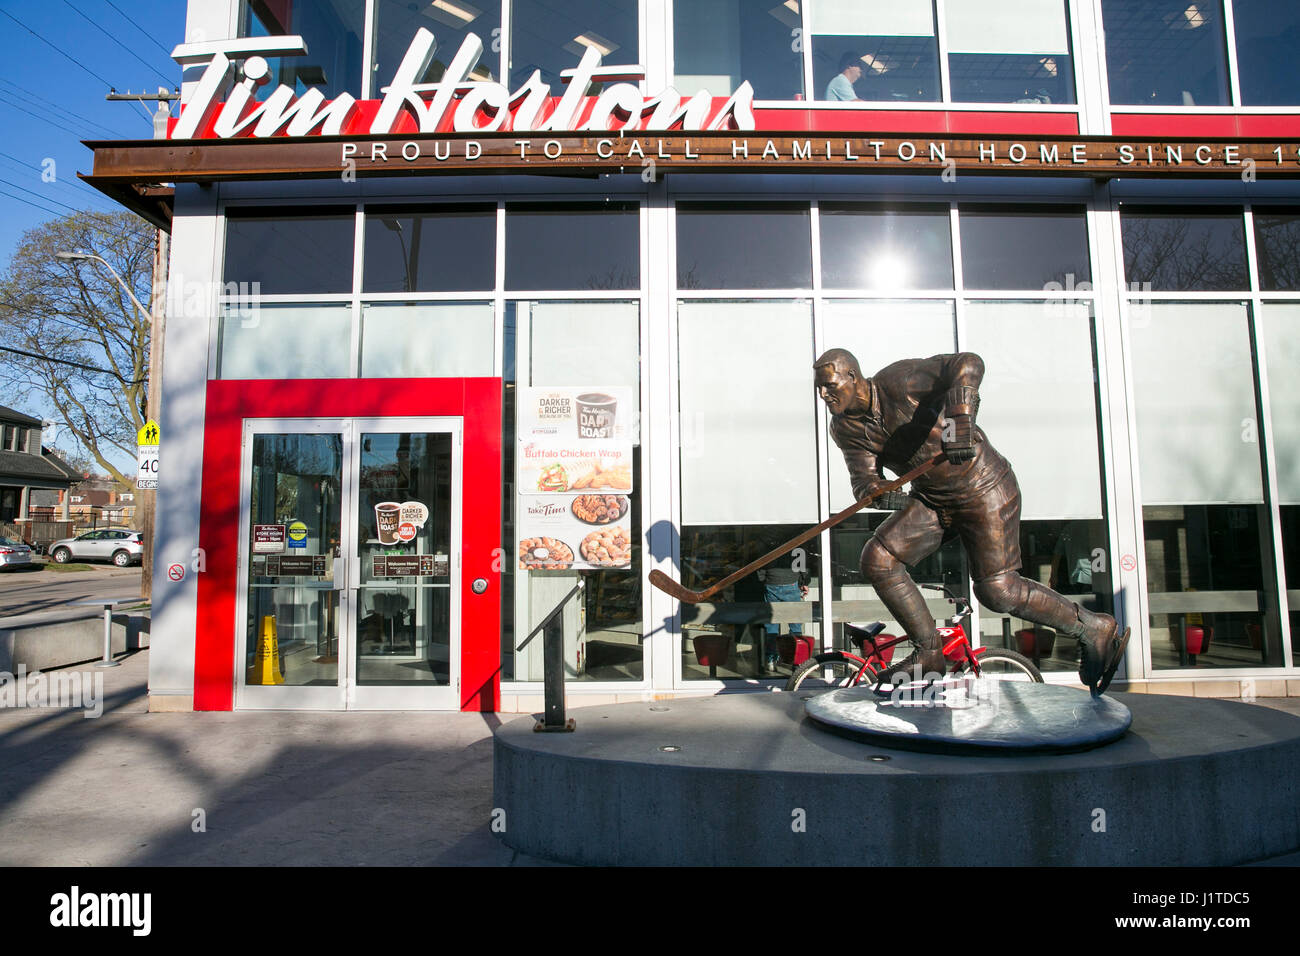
147, 441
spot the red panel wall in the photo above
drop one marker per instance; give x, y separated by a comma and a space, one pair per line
1215, 126
476, 400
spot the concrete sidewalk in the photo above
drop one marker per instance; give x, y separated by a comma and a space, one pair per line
286, 788
275, 788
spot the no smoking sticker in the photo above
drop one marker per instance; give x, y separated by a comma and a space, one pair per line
176, 571
1128, 562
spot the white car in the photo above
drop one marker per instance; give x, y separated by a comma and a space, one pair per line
14, 553
120, 546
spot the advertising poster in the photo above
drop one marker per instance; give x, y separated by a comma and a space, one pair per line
575, 478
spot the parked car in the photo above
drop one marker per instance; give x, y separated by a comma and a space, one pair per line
118, 545
14, 553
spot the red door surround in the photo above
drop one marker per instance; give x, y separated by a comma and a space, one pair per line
475, 400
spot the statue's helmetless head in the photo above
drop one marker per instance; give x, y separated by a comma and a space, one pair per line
838, 379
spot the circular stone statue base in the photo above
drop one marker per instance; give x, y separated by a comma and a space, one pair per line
969, 716
750, 779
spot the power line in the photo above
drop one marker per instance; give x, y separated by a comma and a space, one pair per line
88, 368
43, 119
65, 183
168, 80
76, 63
150, 36
52, 212
72, 114
38, 195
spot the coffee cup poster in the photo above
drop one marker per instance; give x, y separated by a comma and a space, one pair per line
574, 474
398, 522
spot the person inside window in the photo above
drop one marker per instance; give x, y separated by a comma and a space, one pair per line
841, 87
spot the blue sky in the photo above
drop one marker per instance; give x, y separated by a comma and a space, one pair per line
57, 62
50, 100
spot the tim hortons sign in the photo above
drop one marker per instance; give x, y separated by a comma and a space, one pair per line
455, 104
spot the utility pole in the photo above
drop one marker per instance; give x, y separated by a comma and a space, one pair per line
147, 510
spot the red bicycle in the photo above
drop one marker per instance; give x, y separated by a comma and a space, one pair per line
844, 669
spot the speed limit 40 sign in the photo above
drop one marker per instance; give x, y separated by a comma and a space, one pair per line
148, 441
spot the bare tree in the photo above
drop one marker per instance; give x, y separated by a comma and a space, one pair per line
72, 335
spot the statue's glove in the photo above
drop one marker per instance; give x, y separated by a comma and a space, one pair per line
959, 428
959, 442
889, 501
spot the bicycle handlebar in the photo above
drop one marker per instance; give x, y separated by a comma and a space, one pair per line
963, 604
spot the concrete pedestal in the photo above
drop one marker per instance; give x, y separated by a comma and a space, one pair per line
747, 779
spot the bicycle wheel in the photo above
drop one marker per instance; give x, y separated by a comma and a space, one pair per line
827, 671
1000, 664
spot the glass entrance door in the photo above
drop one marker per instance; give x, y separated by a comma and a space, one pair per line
350, 564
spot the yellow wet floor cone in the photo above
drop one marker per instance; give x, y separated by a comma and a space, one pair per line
266, 666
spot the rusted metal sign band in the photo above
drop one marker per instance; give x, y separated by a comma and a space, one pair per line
154, 161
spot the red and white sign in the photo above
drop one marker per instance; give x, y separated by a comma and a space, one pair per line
455, 104
1128, 562
176, 571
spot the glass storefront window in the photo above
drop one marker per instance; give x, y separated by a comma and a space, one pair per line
276, 252
274, 341
1182, 251
574, 344
729, 246
1281, 333
572, 246
553, 37
1038, 407
1267, 34
1277, 243
1211, 583
333, 33
404, 625
866, 247
891, 46
748, 439
1165, 52
426, 339
764, 625
855, 600
718, 44
446, 249
1026, 248
450, 22
296, 478
879, 332
1000, 53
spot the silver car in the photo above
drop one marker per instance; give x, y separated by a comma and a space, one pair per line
118, 545
14, 554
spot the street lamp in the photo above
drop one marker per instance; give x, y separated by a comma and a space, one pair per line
157, 327
83, 256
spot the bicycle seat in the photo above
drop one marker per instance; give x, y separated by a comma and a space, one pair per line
858, 635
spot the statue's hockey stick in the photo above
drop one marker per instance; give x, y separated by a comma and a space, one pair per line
666, 584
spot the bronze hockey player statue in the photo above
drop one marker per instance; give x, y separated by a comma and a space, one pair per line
905, 414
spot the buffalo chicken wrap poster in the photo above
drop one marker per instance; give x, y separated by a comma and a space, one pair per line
573, 469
